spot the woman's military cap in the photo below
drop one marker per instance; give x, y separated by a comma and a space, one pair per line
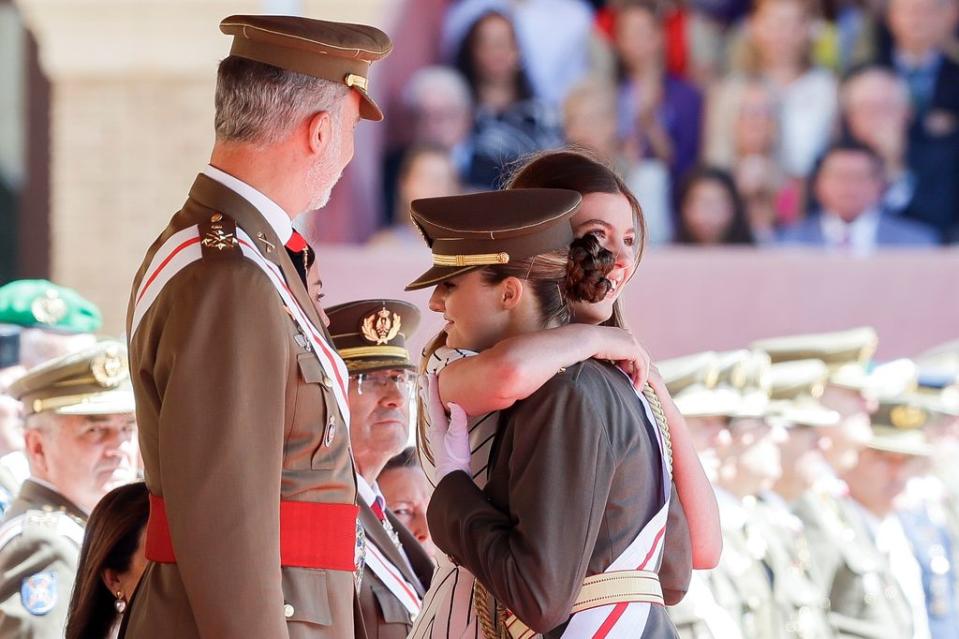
795, 389
42, 304
371, 334
466, 232
94, 381
334, 51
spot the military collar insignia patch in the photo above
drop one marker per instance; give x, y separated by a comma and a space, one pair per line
216, 236
49, 308
38, 593
380, 327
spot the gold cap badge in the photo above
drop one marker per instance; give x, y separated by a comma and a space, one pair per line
109, 368
380, 327
907, 417
49, 308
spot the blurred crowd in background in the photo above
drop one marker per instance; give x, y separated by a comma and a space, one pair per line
831, 122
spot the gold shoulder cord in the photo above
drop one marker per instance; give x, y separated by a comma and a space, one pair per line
491, 614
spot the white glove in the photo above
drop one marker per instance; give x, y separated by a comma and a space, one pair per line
449, 436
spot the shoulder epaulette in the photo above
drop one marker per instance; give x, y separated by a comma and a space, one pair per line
218, 236
54, 521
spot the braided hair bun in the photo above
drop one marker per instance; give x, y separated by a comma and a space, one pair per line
589, 264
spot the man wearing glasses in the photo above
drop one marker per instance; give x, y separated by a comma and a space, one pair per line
370, 336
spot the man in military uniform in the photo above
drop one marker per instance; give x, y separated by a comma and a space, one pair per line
715, 604
39, 321
794, 389
370, 336
865, 598
242, 401
921, 510
81, 443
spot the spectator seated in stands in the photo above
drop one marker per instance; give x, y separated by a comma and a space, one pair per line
438, 109
407, 492
659, 114
711, 211
425, 171
920, 30
876, 111
589, 121
510, 121
848, 186
771, 198
112, 560
778, 51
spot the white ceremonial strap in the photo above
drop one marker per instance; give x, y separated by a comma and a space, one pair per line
183, 248
393, 579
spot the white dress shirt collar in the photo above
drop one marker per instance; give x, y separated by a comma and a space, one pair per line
859, 237
270, 210
369, 493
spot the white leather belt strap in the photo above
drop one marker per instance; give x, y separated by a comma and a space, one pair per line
619, 586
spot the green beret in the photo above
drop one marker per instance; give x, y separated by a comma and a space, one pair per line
42, 304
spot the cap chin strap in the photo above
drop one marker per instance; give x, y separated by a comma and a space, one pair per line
470, 260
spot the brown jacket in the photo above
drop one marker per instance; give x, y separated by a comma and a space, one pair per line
384, 617
575, 476
233, 411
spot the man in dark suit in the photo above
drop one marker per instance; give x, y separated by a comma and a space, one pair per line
371, 338
848, 186
919, 29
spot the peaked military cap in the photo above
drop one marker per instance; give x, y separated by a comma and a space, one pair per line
754, 392
42, 304
697, 385
371, 334
94, 381
795, 389
897, 427
467, 232
334, 51
846, 353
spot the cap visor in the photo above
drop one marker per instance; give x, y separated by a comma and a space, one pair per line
369, 110
438, 274
109, 403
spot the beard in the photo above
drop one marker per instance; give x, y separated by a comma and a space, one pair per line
320, 180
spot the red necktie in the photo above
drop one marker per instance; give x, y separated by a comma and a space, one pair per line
377, 509
297, 243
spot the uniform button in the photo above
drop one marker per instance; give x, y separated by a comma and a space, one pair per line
288, 610
330, 431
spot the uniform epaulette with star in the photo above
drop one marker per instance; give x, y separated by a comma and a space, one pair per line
218, 236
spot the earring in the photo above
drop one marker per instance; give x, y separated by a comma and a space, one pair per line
120, 604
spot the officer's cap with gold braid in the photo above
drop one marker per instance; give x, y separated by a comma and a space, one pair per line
795, 389
94, 381
371, 334
898, 427
846, 353
334, 51
467, 232
700, 384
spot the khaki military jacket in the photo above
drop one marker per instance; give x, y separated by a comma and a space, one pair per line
235, 413
865, 598
40, 543
575, 475
384, 617
801, 600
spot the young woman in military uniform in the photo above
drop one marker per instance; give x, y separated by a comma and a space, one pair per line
515, 367
558, 460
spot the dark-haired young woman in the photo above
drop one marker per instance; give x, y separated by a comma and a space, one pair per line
515, 367
111, 563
